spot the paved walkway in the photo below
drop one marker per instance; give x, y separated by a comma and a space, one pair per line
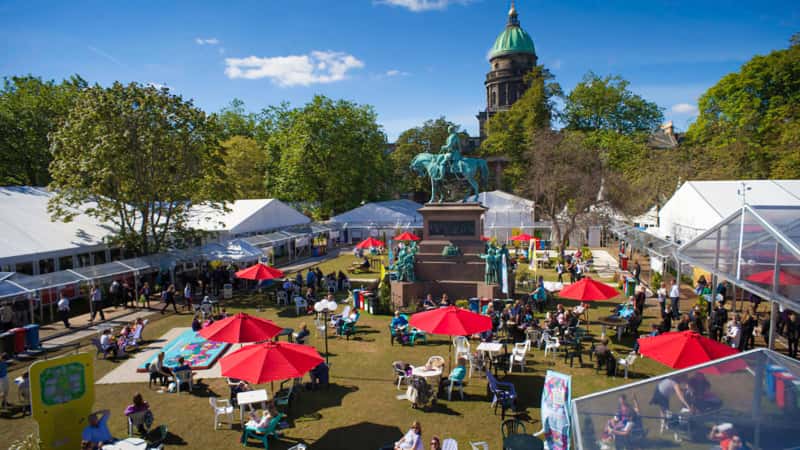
77, 333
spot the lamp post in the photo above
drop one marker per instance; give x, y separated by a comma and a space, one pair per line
325, 307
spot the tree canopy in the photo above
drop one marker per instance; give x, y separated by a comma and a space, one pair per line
246, 166
748, 122
31, 109
139, 158
332, 156
606, 103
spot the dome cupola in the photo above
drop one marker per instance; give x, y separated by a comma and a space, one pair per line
513, 39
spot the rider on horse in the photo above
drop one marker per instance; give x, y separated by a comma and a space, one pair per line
450, 154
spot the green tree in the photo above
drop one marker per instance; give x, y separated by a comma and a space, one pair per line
510, 133
606, 103
139, 158
429, 137
246, 165
332, 156
234, 120
31, 109
747, 123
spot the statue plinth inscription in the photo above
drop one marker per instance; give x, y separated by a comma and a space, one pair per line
455, 228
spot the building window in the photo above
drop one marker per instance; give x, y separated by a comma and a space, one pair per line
46, 266
83, 260
503, 96
494, 98
116, 254
65, 262
26, 268
100, 257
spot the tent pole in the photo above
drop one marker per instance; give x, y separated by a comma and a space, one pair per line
773, 307
757, 388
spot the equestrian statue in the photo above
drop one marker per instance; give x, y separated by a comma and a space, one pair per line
449, 162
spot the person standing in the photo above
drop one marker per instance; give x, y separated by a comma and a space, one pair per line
115, 290
128, 296
6, 317
96, 297
637, 271
674, 298
719, 317
793, 333
168, 297
641, 297
187, 294
311, 279
662, 297
63, 309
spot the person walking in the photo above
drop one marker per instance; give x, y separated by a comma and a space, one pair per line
187, 294
719, 317
560, 271
674, 298
144, 295
96, 297
63, 309
168, 297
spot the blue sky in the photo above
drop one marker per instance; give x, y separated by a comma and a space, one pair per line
411, 59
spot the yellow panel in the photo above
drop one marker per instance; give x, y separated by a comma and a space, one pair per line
62, 395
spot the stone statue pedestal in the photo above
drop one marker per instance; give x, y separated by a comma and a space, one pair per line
460, 277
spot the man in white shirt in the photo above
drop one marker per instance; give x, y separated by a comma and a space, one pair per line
674, 296
63, 309
96, 298
106, 343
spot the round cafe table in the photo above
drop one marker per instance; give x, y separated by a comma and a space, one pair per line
522, 442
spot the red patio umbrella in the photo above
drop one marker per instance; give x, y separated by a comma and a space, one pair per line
241, 328
270, 361
259, 272
587, 290
524, 237
451, 321
407, 236
767, 277
486, 238
370, 242
683, 349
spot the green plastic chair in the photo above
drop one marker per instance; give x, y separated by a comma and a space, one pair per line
264, 435
512, 426
349, 328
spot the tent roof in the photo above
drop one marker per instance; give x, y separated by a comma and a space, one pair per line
752, 242
246, 216
721, 196
739, 382
399, 213
504, 200
26, 227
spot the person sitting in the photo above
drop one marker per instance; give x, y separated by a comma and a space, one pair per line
97, 432
457, 376
260, 424
352, 317
302, 335
107, 343
139, 405
182, 367
319, 376
196, 325
634, 322
428, 303
723, 434
364, 264
208, 322
444, 302
602, 352
238, 386
412, 439
158, 371
436, 443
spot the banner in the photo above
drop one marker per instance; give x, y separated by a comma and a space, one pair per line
556, 394
504, 275
532, 254
62, 396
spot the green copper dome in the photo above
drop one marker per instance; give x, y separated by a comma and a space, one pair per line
513, 39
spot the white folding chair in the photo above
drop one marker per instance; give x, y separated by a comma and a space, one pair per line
183, 376
458, 385
221, 407
517, 356
134, 420
300, 303
551, 344
626, 362
461, 344
449, 444
479, 445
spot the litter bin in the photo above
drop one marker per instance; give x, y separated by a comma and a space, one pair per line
772, 369
623, 261
783, 387
371, 303
475, 305
32, 336
630, 286
19, 340
356, 298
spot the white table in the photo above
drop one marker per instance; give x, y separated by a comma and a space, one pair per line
248, 398
127, 444
489, 349
426, 373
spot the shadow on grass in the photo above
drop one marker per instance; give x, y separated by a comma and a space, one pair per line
310, 402
360, 435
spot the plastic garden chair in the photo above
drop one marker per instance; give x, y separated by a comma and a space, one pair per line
262, 435
221, 407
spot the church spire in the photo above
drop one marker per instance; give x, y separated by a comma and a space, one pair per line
513, 19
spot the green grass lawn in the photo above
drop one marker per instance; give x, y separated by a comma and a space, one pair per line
342, 263
359, 411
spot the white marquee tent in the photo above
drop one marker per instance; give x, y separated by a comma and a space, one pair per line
246, 217
374, 217
508, 212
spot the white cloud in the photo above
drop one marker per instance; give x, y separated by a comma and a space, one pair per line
158, 86
422, 5
295, 70
684, 108
395, 73
206, 41
105, 55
